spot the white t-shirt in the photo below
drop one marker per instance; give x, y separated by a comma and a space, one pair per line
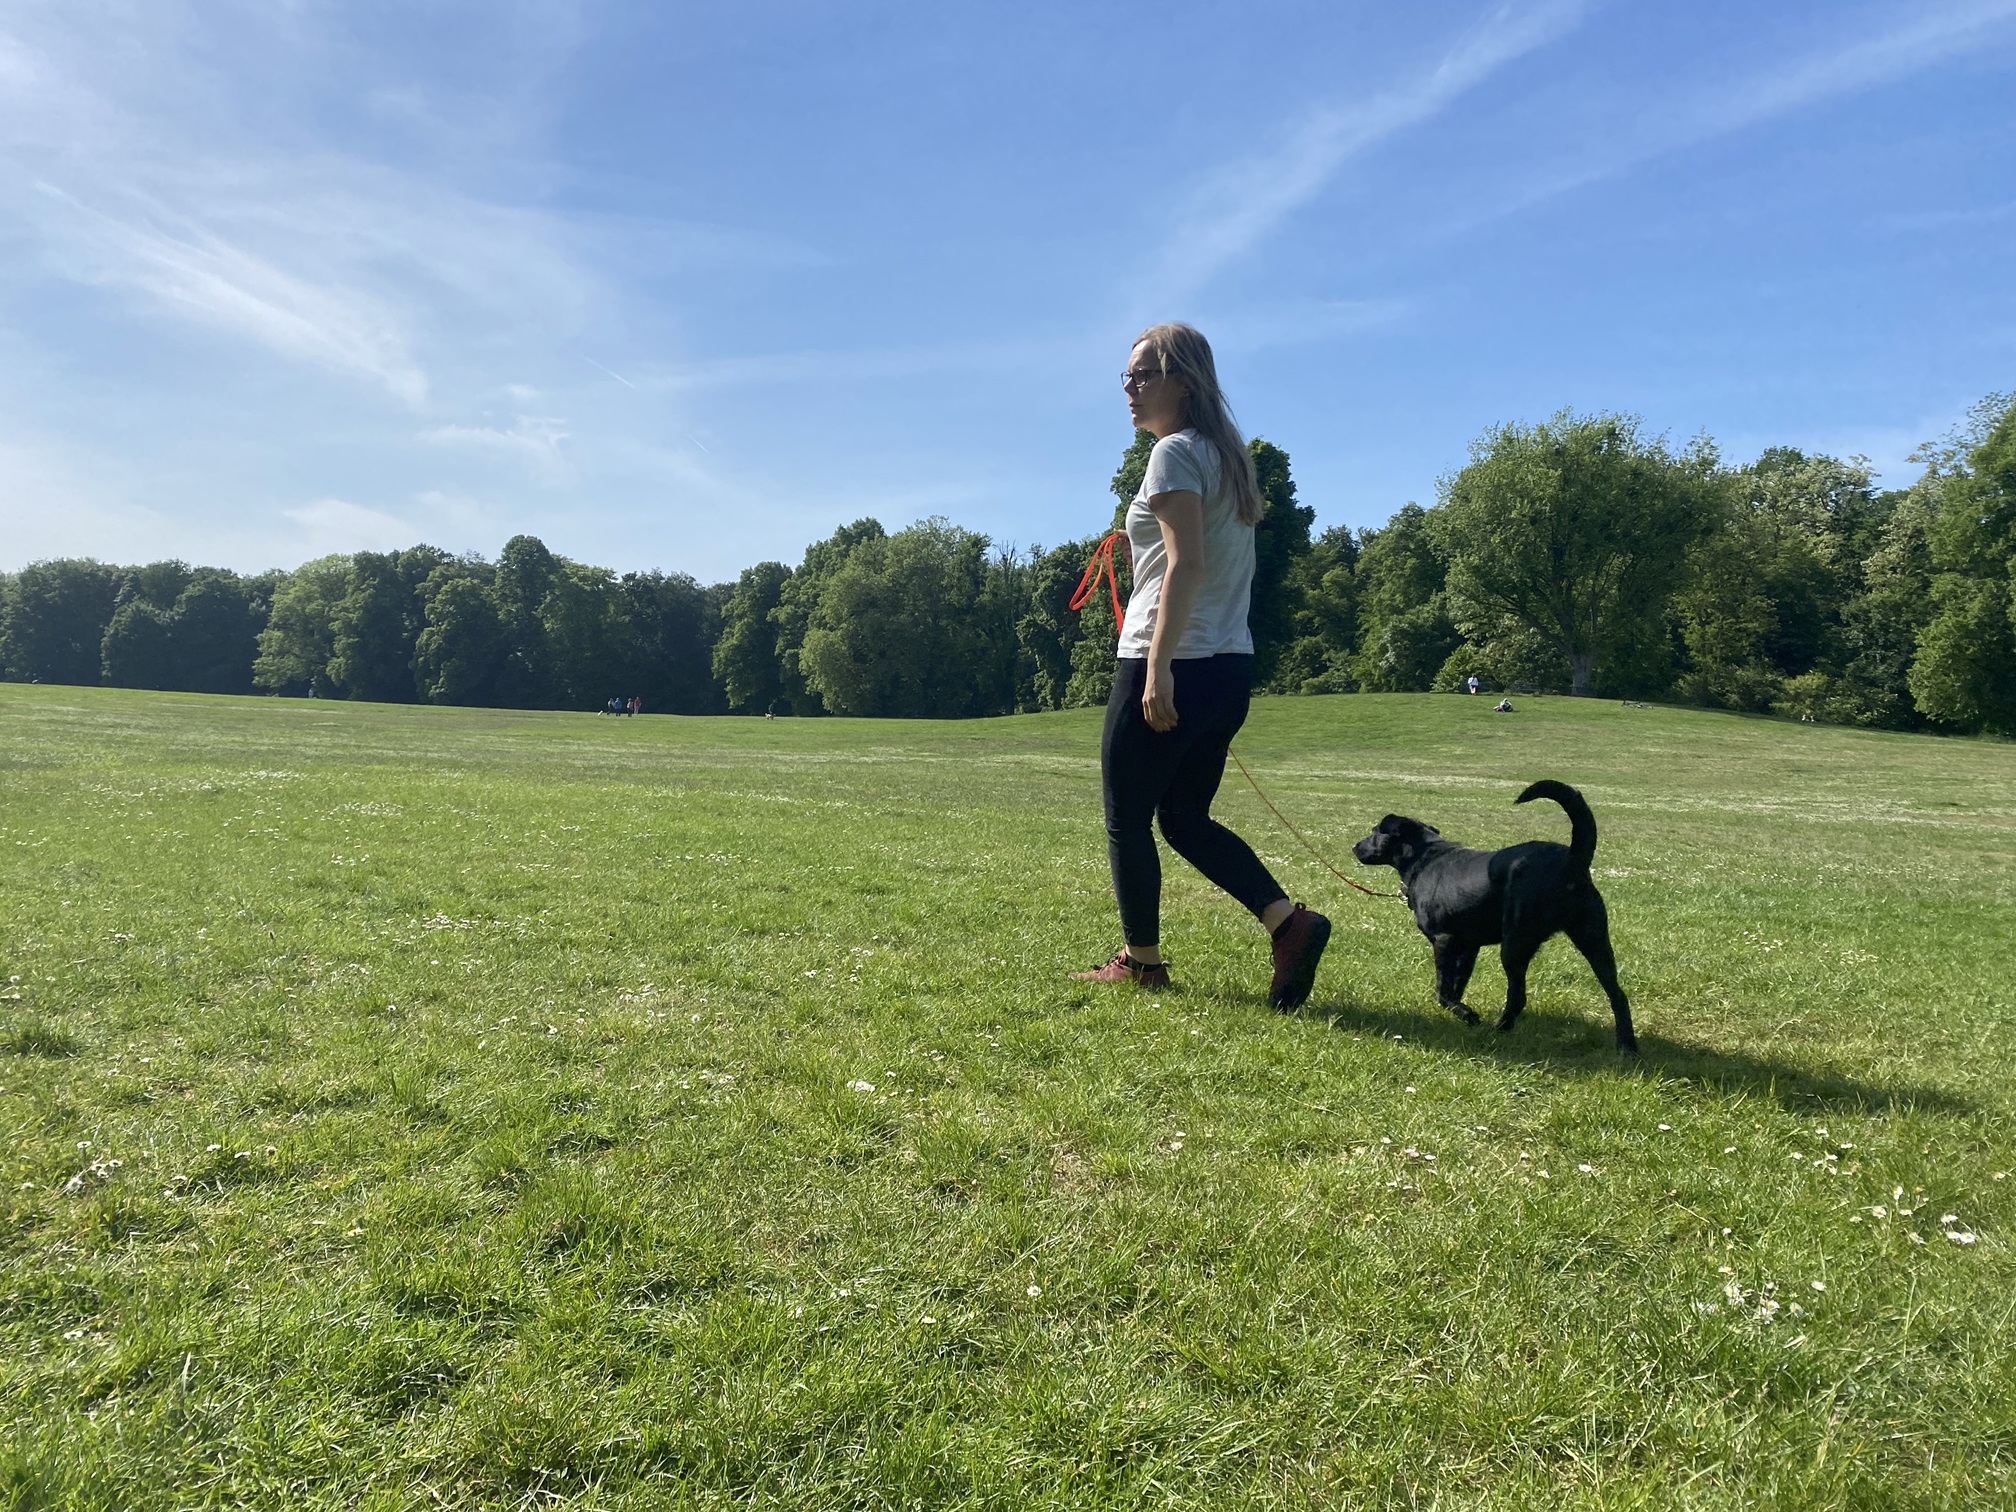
1218, 613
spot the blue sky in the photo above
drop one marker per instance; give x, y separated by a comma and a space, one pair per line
688, 286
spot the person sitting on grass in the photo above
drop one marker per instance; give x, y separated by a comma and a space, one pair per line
1184, 676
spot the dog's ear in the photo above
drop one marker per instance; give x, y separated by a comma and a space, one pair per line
1429, 832
1393, 824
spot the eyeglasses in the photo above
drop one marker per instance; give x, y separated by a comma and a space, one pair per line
1133, 380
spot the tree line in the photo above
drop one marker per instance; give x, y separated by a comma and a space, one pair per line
1574, 555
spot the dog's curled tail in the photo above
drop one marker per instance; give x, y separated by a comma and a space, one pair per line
1581, 823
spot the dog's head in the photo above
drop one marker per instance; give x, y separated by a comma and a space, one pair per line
1395, 841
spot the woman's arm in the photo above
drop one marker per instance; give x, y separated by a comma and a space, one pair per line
1181, 516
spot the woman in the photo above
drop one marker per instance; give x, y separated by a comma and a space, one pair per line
1185, 672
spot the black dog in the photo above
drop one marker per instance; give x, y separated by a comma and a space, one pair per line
1517, 899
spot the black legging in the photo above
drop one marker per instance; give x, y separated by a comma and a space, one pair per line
1173, 776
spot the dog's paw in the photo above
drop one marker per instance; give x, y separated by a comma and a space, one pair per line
1506, 1021
1464, 1012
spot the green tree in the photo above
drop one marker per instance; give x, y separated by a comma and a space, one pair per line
668, 626
524, 576
138, 650
1280, 541
799, 599
379, 621
1324, 594
1409, 649
1727, 613
746, 659
217, 621
1089, 653
1881, 625
459, 656
1510, 659
899, 629
139, 647
299, 638
159, 583
1763, 599
371, 655
1574, 529
1962, 672
57, 620
1006, 676
203, 640
1048, 632
583, 620
1404, 630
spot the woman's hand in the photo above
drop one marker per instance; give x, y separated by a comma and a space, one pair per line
1158, 697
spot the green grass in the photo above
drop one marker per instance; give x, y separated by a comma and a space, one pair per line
415, 1107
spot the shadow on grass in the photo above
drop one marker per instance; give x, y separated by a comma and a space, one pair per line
1577, 1046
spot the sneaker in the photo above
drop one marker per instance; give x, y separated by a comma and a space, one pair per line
1124, 968
1298, 946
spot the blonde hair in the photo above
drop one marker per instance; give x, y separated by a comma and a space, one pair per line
1181, 352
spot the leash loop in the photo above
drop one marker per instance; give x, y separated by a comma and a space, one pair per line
1100, 566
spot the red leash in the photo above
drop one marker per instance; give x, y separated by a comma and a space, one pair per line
1100, 566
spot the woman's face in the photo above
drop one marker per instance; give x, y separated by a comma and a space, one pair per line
1155, 402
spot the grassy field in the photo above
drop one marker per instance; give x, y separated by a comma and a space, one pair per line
424, 1107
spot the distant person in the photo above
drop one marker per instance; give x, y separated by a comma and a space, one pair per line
1184, 676
1474, 685
1503, 706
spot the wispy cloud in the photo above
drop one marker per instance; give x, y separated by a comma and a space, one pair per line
530, 438
191, 270
1932, 36
125, 174
1244, 202
610, 371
